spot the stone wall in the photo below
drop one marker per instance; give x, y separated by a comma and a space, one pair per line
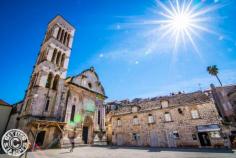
160, 132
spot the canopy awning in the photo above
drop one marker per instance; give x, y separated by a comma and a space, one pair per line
48, 123
208, 128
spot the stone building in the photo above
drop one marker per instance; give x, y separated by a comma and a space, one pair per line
180, 120
225, 101
56, 108
5, 110
14, 116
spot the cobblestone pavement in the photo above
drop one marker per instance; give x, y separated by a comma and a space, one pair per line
130, 152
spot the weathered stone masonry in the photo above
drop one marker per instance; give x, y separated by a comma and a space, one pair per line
181, 120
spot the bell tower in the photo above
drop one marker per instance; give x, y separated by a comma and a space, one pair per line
46, 87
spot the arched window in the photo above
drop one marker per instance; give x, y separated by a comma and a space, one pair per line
54, 55
68, 40
90, 85
99, 116
167, 117
63, 60
59, 33
55, 82
164, 104
135, 120
64, 39
150, 118
58, 58
49, 80
47, 105
62, 35
118, 122
72, 115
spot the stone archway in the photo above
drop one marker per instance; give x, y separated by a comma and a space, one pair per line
87, 130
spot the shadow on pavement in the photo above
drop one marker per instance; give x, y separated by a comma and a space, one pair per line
65, 152
156, 149
202, 150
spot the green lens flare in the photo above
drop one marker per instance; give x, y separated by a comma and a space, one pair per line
90, 106
71, 123
78, 118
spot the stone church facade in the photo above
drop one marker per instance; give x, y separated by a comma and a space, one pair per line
57, 108
178, 120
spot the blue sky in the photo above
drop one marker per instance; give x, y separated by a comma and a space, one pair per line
112, 36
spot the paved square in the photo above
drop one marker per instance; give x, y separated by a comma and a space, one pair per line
130, 152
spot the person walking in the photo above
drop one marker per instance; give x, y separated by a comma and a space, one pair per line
72, 142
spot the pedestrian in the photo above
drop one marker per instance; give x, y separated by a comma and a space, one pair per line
71, 137
72, 142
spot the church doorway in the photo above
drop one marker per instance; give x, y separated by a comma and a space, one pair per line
40, 138
87, 130
85, 135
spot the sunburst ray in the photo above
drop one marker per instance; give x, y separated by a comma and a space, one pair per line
183, 20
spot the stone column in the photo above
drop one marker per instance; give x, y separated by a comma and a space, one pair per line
103, 118
50, 53
70, 42
42, 79
55, 32
66, 62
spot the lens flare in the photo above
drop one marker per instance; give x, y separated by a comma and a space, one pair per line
90, 106
78, 118
181, 22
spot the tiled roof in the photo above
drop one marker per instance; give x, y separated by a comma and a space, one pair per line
155, 103
2, 102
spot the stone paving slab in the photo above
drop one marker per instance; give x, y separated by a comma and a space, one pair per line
130, 152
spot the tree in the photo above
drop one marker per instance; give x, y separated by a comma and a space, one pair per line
213, 70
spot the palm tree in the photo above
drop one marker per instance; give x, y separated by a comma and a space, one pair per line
213, 70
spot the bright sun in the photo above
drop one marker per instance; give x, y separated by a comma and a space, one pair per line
182, 20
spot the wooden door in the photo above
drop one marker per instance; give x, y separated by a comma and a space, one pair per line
153, 139
119, 139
